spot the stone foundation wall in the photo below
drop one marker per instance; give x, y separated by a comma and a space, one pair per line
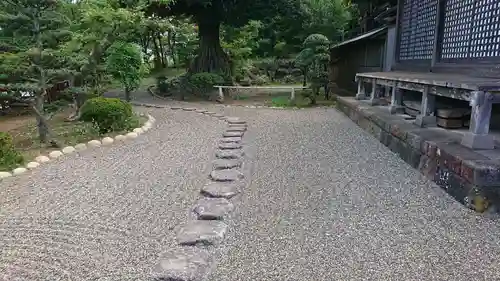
471, 178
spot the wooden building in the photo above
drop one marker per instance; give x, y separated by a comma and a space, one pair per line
447, 54
369, 47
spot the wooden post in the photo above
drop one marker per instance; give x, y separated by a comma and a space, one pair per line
374, 98
396, 101
361, 95
292, 95
478, 136
426, 117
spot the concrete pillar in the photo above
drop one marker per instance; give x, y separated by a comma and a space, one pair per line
361, 95
374, 96
396, 101
427, 116
478, 136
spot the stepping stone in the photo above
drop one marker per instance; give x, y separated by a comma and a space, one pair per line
220, 190
236, 129
232, 134
175, 107
188, 109
228, 154
184, 264
231, 139
235, 120
210, 113
222, 164
226, 175
230, 145
237, 125
213, 208
202, 232
201, 111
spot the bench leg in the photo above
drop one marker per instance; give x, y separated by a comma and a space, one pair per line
426, 118
292, 96
396, 101
478, 135
221, 95
374, 96
361, 95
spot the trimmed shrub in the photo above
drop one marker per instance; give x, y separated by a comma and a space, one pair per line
260, 80
108, 114
9, 157
203, 83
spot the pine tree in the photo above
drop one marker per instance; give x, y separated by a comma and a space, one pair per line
31, 34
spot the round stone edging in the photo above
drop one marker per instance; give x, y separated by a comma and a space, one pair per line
107, 141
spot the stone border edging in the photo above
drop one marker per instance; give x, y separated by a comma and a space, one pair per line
106, 141
191, 260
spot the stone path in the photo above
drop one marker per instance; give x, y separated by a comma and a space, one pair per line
322, 200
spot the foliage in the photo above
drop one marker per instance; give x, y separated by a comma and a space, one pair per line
209, 15
204, 82
31, 34
124, 63
314, 58
9, 157
109, 114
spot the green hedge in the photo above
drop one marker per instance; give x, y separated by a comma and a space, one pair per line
108, 114
204, 82
9, 157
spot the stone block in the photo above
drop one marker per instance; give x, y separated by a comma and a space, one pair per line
481, 172
221, 164
229, 154
184, 264
221, 190
204, 232
226, 175
213, 208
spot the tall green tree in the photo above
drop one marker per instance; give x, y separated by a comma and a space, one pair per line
32, 32
209, 15
124, 62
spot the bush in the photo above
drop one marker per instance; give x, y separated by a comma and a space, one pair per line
109, 114
260, 80
9, 157
162, 84
204, 82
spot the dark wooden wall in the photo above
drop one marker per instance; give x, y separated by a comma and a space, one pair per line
452, 36
362, 56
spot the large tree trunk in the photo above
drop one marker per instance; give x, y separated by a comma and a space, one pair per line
211, 57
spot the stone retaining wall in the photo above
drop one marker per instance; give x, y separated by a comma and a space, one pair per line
471, 177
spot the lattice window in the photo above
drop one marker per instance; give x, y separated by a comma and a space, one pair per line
417, 29
471, 29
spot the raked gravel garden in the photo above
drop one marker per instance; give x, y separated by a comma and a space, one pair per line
267, 195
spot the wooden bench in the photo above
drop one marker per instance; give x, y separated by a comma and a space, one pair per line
481, 93
291, 88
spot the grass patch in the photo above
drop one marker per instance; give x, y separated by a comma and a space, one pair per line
300, 101
241, 97
26, 141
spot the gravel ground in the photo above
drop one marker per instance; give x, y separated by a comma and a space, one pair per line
110, 213
326, 202
329, 202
